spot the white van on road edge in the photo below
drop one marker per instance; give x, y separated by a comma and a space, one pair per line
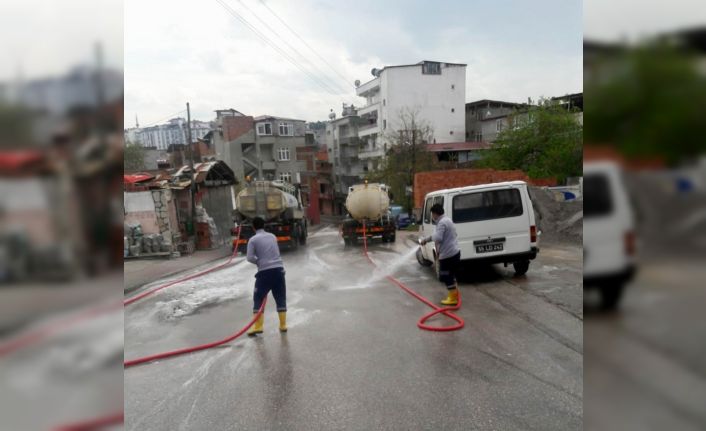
609, 241
494, 222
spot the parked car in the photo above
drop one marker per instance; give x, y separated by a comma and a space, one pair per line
403, 221
494, 222
608, 232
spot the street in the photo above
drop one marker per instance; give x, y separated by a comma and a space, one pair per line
353, 357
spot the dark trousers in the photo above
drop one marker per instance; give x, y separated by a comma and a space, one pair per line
270, 279
447, 270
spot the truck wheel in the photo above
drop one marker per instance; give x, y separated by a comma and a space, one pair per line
302, 236
521, 267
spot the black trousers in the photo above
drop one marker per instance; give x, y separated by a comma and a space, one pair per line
270, 279
447, 270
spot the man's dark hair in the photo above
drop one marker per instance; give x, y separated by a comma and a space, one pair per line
437, 209
258, 223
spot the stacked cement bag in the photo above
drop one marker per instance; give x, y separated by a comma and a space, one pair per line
134, 238
153, 243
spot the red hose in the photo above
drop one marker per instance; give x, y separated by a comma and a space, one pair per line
446, 311
191, 277
150, 358
93, 424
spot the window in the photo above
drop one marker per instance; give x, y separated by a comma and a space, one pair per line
596, 196
479, 137
431, 68
285, 176
499, 125
283, 154
384, 124
383, 102
286, 129
488, 205
453, 110
264, 129
453, 86
427, 211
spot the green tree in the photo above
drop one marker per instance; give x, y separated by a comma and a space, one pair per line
134, 157
648, 101
405, 155
545, 141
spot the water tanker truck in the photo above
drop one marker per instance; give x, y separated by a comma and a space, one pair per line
368, 213
279, 204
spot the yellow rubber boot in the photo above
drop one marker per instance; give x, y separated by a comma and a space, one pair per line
256, 328
452, 299
282, 321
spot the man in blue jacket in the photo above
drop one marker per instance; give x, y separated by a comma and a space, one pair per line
264, 252
449, 254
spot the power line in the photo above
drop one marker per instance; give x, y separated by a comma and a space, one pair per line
169, 117
275, 47
304, 42
313, 65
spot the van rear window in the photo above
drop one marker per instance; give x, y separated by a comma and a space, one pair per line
493, 204
597, 200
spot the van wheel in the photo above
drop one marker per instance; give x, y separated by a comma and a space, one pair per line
521, 267
610, 296
421, 260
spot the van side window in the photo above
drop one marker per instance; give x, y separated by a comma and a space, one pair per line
439, 200
493, 204
427, 211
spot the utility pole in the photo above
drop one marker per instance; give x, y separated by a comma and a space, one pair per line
191, 168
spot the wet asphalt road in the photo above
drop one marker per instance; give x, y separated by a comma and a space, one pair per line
353, 357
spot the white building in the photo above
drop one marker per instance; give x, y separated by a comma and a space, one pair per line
436, 91
163, 135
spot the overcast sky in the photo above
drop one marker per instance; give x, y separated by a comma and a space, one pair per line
178, 51
41, 38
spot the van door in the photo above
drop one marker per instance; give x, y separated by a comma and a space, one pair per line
491, 222
427, 228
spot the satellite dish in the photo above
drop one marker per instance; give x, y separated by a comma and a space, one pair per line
375, 72
357, 83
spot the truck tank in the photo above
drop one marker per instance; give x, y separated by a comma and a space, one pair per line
367, 201
264, 201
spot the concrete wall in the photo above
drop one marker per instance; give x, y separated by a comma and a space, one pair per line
154, 210
432, 95
426, 182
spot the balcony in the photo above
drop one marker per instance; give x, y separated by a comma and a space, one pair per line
351, 140
369, 87
371, 153
373, 107
368, 129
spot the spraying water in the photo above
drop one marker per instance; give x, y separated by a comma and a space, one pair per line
384, 269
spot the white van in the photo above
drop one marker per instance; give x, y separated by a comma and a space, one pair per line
609, 244
494, 222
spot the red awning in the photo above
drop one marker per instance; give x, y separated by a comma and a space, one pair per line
137, 178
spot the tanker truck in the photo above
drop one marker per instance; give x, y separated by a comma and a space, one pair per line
368, 212
279, 204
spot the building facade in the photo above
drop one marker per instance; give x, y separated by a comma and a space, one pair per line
485, 119
434, 91
262, 147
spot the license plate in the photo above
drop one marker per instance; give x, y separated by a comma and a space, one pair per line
487, 248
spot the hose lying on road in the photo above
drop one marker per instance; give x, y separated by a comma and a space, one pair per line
191, 277
150, 358
446, 311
